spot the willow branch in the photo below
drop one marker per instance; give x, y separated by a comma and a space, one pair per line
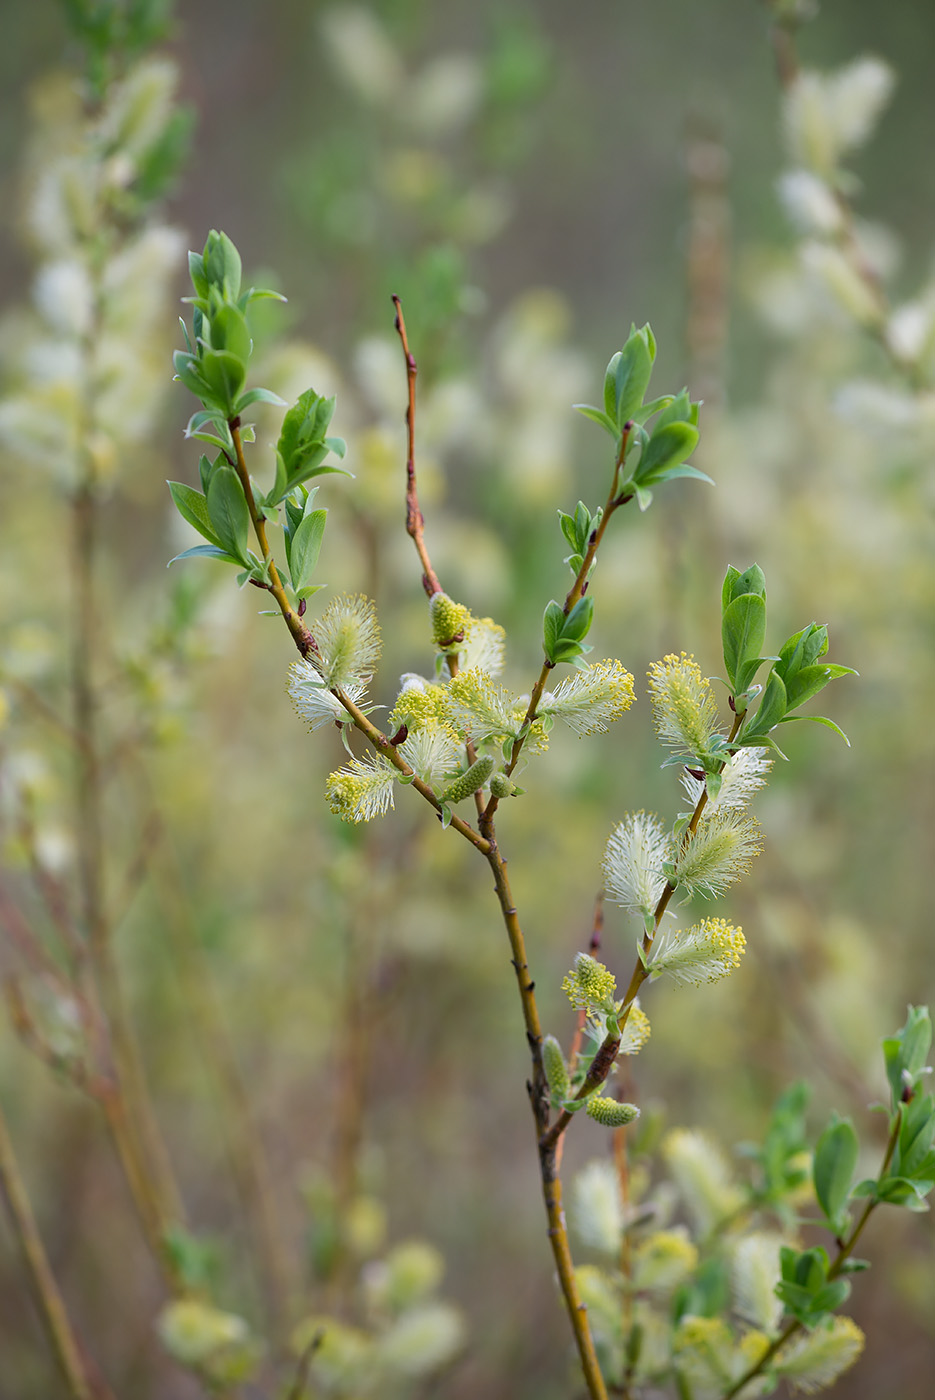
300, 634
49, 1301
548, 1164
603, 1061
415, 521
574, 595
486, 842
845, 1249
307, 646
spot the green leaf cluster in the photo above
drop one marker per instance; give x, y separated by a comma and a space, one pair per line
579, 530
214, 364
805, 1289
303, 446
907, 1176
646, 457
563, 633
214, 367
797, 673
911, 1175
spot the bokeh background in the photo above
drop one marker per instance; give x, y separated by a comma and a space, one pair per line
530, 179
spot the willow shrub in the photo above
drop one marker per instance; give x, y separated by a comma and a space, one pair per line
738, 1303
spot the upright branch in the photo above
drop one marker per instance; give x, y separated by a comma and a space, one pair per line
415, 522
537, 1086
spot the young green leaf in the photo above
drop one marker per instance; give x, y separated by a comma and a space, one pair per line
305, 548
916, 1135
752, 580
229, 331
743, 632
552, 623
258, 396
628, 375
668, 447
906, 1052
771, 710
578, 622
224, 373
833, 1169
227, 508
193, 507
206, 551
597, 416
221, 266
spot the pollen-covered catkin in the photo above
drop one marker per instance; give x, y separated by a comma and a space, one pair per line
450, 621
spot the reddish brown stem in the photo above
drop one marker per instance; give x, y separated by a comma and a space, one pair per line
415, 521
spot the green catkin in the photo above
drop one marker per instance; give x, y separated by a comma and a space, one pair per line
501, 786
556, 1072
468, 783
611, 1113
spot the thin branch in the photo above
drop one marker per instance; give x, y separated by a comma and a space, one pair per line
575, 593
603, 1061
300, 634
37, 704
297, 1388
415, 522
49, 1301
486, 842
548, 1163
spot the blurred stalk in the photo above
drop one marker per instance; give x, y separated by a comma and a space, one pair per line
707, 319
248, 1161
692, 534
128, 1108
49, 1301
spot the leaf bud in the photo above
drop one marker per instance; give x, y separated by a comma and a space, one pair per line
468, 783
611, 1113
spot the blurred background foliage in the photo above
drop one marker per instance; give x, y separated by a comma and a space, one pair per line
530, 179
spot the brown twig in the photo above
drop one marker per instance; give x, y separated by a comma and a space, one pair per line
37, 704
49, 1301
537, 1086
415, 522
297, 1388
538, 1091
